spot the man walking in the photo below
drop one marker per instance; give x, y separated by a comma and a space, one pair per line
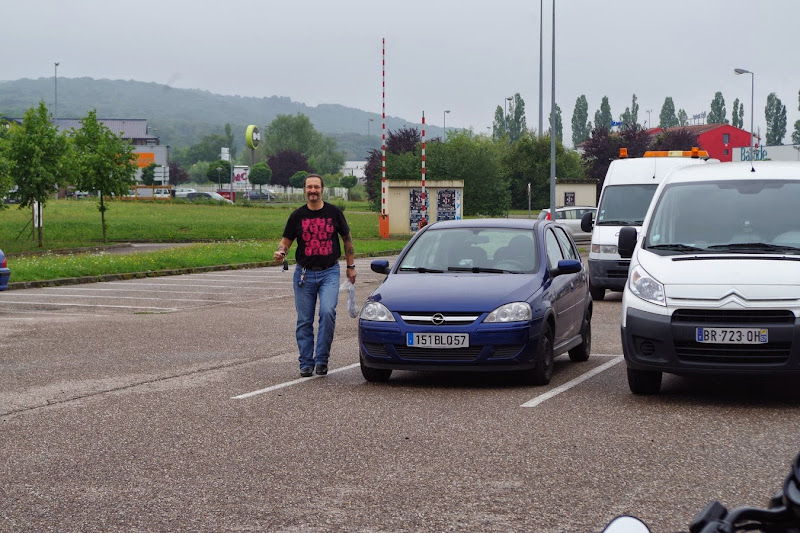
317, 227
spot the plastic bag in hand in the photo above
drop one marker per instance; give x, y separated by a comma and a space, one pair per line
352, 306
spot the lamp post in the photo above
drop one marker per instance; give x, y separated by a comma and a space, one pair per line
649, 124
55, 110
444, 124
541, 24
752, 90
219, 176
505, 113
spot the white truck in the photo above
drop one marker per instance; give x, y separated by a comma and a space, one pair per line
626, 194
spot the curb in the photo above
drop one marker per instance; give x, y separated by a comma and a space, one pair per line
160, 273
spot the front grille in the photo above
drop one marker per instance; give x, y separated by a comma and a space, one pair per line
732, 354
502, 352
449, 354
449, 319
617, 274
733, 318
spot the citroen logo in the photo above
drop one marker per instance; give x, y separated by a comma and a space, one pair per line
438, 319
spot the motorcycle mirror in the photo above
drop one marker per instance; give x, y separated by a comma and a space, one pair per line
626, 524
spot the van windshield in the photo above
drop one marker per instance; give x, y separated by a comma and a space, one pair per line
625, 205
741, 216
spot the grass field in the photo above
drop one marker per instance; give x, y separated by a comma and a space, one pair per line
224, 234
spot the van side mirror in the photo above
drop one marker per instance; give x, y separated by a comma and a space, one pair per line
627, 241
587, 222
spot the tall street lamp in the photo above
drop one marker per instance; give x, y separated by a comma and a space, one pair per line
752, 90
55, 111
444, 123
219, 176
505, 113
649, 124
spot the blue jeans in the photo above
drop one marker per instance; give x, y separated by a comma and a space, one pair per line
322, 284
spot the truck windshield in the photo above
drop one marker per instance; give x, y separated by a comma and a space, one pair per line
625, 205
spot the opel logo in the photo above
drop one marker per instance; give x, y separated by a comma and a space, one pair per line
438, 319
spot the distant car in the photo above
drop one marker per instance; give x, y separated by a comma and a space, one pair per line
479, 295
214, 196
5, 273
262, 195
570, 217
181, 192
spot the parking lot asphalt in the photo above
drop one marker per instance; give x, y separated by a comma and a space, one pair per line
174, 404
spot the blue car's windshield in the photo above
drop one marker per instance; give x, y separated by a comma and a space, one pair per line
479, 250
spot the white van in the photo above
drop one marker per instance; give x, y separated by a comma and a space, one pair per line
714, 284
627, 190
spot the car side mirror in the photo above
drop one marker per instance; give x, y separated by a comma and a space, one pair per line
587, 222
567, 266
381, 266
627, 241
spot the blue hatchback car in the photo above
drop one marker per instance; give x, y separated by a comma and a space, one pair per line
479, 295
5, 273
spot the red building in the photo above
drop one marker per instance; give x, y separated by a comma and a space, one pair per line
719, 140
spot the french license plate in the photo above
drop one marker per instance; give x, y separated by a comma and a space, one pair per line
437, 340
732, 335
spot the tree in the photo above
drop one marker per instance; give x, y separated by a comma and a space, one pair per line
208, 149
667, 118
680, 139
298, 178
558, 124
630, 117
105, 162
603, 117
683, 118
260, 175
528, 161
149, 174
223, 175
581, 129
512, 124
603, 147
775, 114
718, 112
736, 119
177, 175
38, 157
284, 164
796, 134
348, 182
516, 118
296, 133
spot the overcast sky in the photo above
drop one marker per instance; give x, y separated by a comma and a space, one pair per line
461, 55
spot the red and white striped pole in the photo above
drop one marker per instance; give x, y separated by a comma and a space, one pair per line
424, 220
383, 131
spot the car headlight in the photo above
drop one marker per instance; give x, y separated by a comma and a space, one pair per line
376, 312
513, 312
646, 287
604, 248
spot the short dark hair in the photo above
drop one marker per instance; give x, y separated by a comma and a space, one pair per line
314, 176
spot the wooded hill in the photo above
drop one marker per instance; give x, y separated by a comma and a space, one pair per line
181, 117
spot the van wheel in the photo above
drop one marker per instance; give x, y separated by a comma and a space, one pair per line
543, 368
581, 352
598, 293
375, 375
644, 381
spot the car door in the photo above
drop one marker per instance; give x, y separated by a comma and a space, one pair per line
578, 283
561, 288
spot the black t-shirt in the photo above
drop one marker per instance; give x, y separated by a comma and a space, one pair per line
317, 234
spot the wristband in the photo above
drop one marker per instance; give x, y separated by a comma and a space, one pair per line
351, 266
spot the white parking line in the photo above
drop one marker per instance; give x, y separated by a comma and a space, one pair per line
566, 386
289, 383
48, 295
98, 305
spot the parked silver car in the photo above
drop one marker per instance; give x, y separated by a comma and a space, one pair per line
570, 217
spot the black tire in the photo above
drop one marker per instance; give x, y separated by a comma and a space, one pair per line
646, 382
582, 351
543, 368
598, 293
375, 375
